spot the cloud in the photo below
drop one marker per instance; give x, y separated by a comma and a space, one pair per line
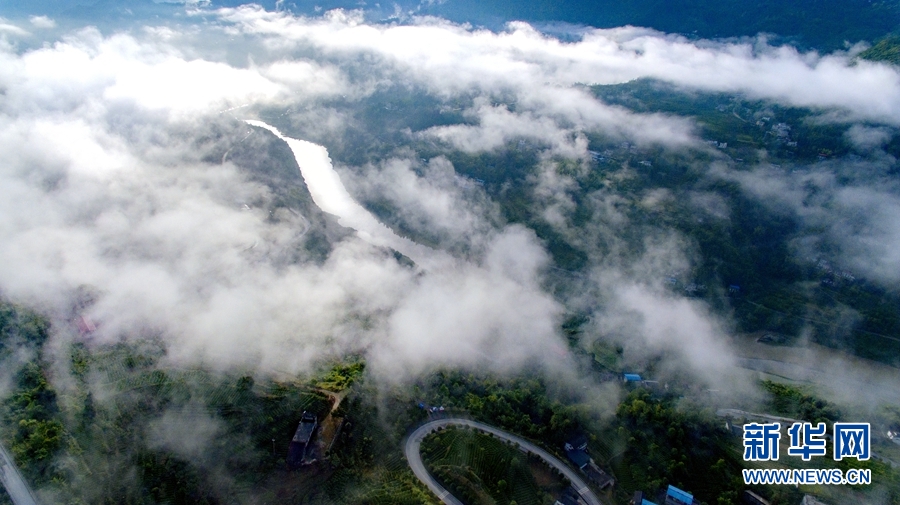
848, 208
186, 432
494, 315
152, 75
7, 28
42, 22
116, 180
670, 325
451, 58
428, 198
867, 138
120, 178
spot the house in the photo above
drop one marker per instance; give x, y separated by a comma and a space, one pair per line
299, 448
631, 377
568, 497
578, 443
782, 130
641, 499
751, 498
597, 476
894, 436
85, 325
675, 496
579, 458
734, 429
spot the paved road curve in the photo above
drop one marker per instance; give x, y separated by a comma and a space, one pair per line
13, 482
414, 442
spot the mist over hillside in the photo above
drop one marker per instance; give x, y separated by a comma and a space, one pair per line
582, 201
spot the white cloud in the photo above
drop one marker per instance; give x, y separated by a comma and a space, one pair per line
42, 22
108, 183
867, 138
11, 29
858, 221
450, 58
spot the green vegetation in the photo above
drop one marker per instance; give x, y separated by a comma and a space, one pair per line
744, 241
521, 405
734, 238
19, 328
30, 428
341, 376
480, 469
685, 447
128, 431
744, 124
367, 457
35, 432
607, 357
792, 401
887, 49
157, 435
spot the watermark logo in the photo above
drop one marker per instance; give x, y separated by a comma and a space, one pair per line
850, 440
807, 441
761, 441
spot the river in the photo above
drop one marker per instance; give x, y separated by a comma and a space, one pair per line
330, 195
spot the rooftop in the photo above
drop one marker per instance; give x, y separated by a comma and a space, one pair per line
305, 429
580, 458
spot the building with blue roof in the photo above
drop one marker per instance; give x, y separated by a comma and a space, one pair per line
579, 458
640, 500
632, 377
675, 496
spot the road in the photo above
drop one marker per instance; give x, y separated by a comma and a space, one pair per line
13, 482
750, 415
414, 442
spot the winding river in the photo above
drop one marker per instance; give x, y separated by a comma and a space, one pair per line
330, 195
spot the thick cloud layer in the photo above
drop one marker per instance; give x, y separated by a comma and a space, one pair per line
113, 183
110, 190
451, 58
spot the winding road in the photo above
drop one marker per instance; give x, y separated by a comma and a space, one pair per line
413, 455
13, 482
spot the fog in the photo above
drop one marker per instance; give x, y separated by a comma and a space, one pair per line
114, 180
